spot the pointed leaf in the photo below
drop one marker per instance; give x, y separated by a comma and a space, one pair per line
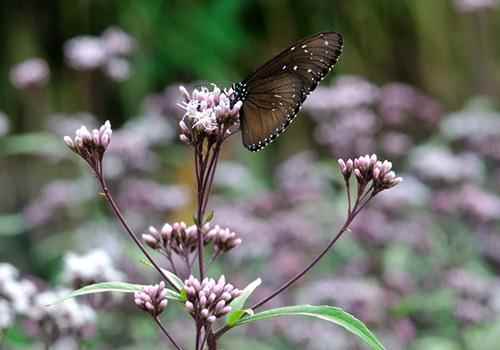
209, 217
327, 313
120, 287
176, 281
234, 316
238, 303
195, 219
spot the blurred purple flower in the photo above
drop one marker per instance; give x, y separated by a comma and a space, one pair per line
399, 102
477, 125
148, 195
85, 53
117, 69
468, 284
352, 132
30, 73
107, 52
478, 204
439, 164
466, 6
477, 119
470, 311
300, 179
165, 102
53, 197
117, 42
348, 92
235, 176
412, 193
489, 245
377, 228
254, 231
132, 143
396, 143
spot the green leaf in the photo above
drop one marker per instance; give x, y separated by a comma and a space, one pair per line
120, 287
33, 143
176, 281
238, 303
327, 313
209, 217
234, 316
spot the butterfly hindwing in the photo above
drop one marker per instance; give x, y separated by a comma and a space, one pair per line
274, 93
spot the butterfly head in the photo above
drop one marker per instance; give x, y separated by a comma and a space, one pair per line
239, 93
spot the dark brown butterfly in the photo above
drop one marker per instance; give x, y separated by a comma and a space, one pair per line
273, 95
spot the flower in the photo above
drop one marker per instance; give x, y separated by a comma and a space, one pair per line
152, 299
67, 318
223, 239
85, 53
147, 195
18, 292
383, 177
117, 42
209, 299
346, 167
438, 163
348, 92
117, 69
368, 169
363, 168
465, 6
95, 266
208, 113
91, 145
177, 238
6, 315
33, 72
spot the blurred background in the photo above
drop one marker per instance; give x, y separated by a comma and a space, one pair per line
418, 83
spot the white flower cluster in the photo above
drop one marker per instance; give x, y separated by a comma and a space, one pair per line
6, 315
475, 5
84, 138
108, 52
206, 110
68, 316
30, 73
95, 266
18, 293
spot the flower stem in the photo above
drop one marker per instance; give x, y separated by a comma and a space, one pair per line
164, 330
128, 229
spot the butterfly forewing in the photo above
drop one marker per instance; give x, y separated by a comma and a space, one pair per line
274, 93
265, 110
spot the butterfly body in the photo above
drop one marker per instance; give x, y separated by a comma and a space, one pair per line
273, 95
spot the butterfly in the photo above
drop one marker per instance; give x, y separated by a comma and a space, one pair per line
273, 94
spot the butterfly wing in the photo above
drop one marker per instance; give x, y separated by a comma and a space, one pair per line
274, 93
